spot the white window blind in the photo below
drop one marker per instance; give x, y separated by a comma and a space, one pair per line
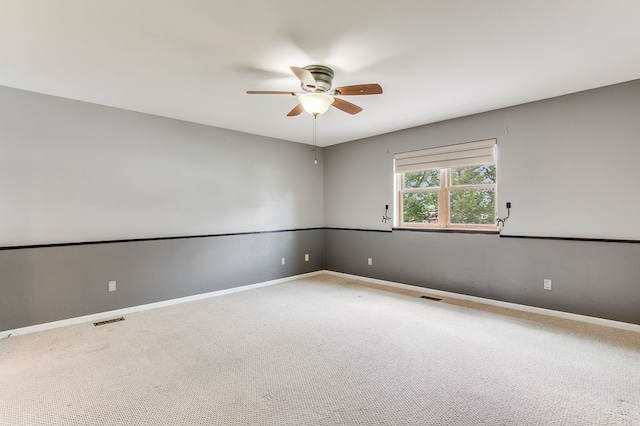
463, 154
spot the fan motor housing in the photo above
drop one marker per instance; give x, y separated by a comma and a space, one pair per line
323, 76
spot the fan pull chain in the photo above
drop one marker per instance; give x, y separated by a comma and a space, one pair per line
315, 154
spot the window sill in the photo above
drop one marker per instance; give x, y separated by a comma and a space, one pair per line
450, 230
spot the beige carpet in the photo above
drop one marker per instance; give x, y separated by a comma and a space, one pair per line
322, 351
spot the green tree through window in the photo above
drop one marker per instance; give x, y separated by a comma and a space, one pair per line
463, 196
473, 206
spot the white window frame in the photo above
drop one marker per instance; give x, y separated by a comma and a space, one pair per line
445, 188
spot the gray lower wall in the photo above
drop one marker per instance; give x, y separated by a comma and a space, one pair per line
45, 284
599, 279
40, 285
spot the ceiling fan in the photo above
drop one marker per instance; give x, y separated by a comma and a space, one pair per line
317, 95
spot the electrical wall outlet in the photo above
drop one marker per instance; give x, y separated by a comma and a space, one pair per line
306, 257
112, 286
369, 261
548, 285
282, 261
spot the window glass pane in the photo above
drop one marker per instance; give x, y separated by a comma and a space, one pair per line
422, 179
473, 206
420, 208
473, 175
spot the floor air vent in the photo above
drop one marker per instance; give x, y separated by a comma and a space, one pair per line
108, 321
430, 298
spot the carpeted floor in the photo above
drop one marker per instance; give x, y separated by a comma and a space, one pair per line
323, 351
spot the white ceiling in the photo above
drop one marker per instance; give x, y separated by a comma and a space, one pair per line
435, 59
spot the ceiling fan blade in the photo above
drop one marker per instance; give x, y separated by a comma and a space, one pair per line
296, 111
345, 106
268, 92
305, 77
359, 89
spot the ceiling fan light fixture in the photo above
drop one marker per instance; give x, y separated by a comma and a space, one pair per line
316, 103
317, 95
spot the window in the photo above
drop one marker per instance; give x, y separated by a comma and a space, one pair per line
451, 187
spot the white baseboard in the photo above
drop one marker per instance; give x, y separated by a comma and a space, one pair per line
497, 303
125, 311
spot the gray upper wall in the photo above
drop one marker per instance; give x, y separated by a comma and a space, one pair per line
568, 165
72, 171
